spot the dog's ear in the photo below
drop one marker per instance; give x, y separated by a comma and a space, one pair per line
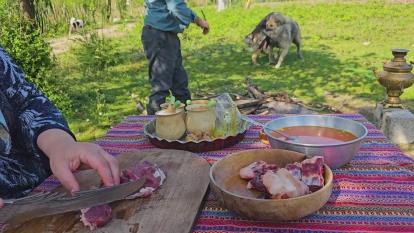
267, 17
280, 19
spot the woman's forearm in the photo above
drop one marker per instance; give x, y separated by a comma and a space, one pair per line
52, 140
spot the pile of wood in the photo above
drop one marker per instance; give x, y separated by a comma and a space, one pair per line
257, 102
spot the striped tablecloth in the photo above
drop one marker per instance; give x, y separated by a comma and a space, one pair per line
373, 193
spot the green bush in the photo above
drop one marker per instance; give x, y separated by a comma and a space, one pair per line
29, 49
96, 54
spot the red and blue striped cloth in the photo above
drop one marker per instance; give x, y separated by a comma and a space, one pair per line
373, 193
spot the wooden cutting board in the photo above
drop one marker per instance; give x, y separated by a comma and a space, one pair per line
173, 208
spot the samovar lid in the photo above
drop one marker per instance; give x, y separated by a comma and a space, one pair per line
398, 64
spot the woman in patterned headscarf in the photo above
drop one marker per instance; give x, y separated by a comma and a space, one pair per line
35, 140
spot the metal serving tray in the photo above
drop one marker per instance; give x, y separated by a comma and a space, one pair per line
195, 146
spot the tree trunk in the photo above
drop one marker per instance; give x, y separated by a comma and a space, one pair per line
248, 4
108, 10
28, 9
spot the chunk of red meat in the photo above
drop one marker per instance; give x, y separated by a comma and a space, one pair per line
257, 183
248, 172
96, 216
294, 180
282, 184
312, 172
154, 178
253, 169
295, 169
138, 171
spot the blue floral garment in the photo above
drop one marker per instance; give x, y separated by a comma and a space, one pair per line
24, 113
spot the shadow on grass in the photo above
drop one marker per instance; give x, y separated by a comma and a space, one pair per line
223, 67
104, 98
217, 68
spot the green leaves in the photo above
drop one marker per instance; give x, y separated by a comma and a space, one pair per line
32, 53
212, 103
171, 100
96, 54
177, 104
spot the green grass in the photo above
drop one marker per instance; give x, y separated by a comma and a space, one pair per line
336, 60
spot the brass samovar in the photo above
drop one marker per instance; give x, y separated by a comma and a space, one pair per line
395, 78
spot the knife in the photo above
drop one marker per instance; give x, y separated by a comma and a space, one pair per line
50, 203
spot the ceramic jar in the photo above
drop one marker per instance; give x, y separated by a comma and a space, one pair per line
200, 119
170, 125
201, 102
165, 106
181, 107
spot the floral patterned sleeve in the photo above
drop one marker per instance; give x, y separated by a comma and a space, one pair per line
33, 112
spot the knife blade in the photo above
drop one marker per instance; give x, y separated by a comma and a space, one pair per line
57, 203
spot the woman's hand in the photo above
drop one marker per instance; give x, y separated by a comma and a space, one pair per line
203, 24
66, 155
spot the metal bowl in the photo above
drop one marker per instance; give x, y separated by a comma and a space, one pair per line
335, 155
232, 193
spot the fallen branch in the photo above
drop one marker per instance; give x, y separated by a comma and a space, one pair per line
248, 103
253, 89
248, 110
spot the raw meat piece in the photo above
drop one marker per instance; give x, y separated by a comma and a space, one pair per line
96, 216
295, 169
248, 172
257, 183
154, 178
294, 180
260, 167
312, 172
282, 184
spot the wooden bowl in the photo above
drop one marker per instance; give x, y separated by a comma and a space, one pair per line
232, 193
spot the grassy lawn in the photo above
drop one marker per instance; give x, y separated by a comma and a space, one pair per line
341, 43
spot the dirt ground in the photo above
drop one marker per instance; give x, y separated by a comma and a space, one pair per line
63, 44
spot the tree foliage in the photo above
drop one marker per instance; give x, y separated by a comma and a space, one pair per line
30, 50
